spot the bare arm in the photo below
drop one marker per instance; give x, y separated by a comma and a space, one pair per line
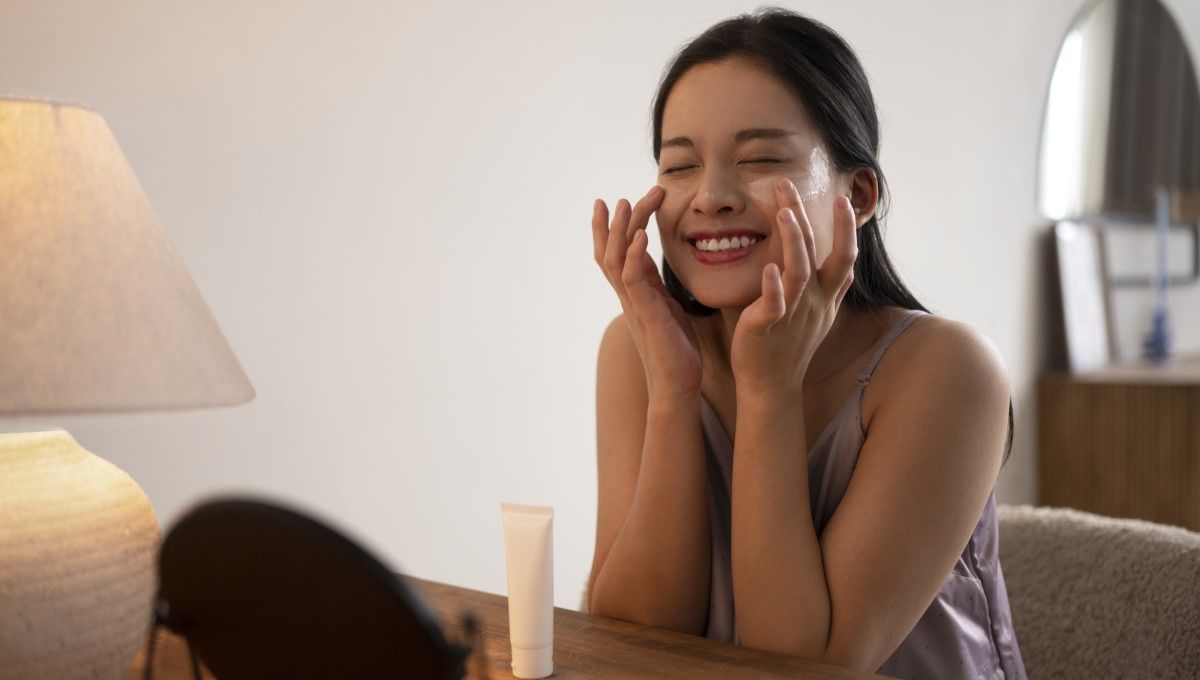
652, 557
931, 457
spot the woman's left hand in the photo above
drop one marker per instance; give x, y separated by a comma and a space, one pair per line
777, 335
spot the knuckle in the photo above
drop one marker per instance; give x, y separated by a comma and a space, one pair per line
611, 266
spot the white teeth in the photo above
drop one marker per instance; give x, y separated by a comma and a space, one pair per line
714, 245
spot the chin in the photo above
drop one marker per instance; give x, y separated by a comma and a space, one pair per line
730, 295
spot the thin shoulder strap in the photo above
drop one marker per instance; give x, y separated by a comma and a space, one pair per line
899, 328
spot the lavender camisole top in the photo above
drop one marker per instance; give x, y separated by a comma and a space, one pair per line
967, 630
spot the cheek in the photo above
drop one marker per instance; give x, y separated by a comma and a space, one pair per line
668, 214
823, 231
763, 192
818, 208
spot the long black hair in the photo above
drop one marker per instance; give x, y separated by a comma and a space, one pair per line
825, 73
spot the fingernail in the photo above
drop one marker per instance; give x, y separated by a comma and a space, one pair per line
787, 215
782, 184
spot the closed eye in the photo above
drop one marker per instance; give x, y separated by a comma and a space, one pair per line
681, 168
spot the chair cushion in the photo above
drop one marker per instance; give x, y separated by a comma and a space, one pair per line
1095, 596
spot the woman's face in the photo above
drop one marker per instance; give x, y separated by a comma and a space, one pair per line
730, 129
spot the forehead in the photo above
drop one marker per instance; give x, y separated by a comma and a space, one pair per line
713, 101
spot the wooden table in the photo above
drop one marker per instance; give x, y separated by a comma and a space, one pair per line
585, 646
1123, 441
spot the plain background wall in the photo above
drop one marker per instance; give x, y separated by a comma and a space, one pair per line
386, 205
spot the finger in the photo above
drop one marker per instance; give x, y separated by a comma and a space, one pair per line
810, 239
653, 275
634, 278
644, 208
614, 251
796, 266
599, 230
839, 266
797, 272
771, 307
788, 196
625, 221
841, 295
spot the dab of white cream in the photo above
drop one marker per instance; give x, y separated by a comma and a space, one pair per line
816, 182
818, 174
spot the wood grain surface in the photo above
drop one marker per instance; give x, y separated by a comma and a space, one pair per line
1123, 442
585, 646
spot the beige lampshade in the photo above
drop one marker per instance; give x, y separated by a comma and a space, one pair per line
97, 311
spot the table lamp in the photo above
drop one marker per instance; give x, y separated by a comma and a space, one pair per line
97, 315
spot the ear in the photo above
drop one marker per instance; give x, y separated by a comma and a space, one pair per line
864, 194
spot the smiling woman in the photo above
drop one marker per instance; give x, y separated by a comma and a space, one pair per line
751, 487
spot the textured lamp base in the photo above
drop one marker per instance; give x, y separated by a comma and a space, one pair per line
78, 539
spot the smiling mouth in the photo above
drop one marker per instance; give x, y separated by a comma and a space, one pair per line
725, 244
718, 251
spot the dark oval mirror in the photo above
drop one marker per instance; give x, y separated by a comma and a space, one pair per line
260, 591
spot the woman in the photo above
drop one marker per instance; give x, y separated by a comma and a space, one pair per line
751, 487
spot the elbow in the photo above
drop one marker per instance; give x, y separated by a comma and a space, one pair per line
802, 644
642, 610
854, 655
808, 639
854, 662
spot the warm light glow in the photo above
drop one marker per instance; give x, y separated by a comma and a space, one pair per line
99, 312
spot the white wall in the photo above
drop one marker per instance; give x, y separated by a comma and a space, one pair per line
387, 204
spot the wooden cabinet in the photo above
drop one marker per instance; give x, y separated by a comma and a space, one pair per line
1123, 441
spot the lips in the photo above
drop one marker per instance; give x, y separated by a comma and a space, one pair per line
722, 256
703, 235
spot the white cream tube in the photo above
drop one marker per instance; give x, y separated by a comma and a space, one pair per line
529, 547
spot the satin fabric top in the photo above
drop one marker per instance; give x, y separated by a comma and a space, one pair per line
967, 630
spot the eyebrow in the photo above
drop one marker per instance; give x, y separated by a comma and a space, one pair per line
741, 137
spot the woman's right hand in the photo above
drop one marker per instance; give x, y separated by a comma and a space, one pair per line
662, 331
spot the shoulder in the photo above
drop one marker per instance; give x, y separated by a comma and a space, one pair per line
618, 357
942, 344
617, 331
617, 342
941, 363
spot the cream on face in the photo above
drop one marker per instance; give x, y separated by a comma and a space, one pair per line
815, 182
719, 165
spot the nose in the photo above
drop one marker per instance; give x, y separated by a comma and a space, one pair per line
718, 193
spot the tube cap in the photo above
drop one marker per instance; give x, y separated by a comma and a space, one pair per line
532, 663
